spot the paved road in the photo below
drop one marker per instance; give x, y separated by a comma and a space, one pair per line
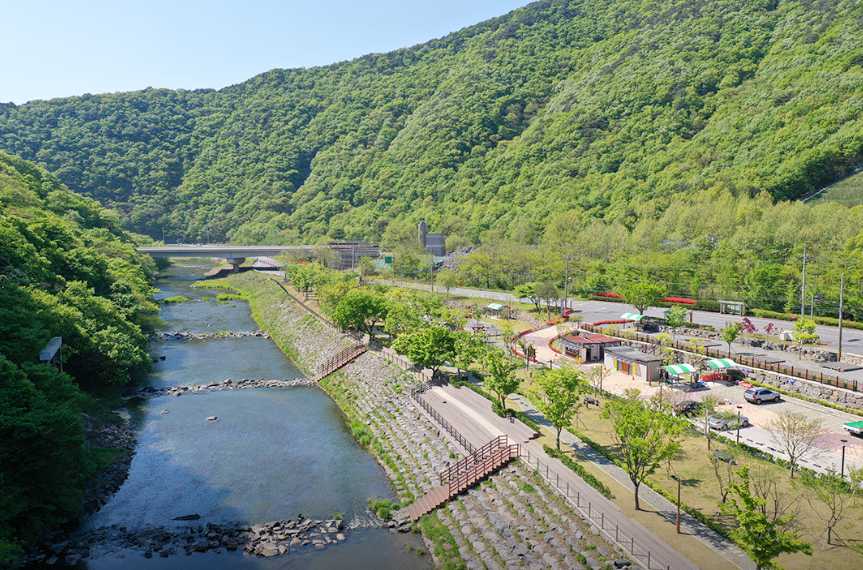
604, 310
471, 414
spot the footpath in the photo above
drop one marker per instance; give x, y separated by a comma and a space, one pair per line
472, 416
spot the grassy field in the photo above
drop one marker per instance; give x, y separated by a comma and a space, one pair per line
701, 491
848, 192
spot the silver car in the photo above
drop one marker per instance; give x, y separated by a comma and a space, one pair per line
760, 395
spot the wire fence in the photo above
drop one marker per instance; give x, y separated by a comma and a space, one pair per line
599, 515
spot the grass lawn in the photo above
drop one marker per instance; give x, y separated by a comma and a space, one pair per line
701, 491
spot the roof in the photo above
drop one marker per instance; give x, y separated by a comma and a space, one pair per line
631, 317
720, 363
632, 354
590, 338
494, 306
48, 353
678, 369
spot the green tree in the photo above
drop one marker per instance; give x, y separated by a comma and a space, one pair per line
729, 334
804, 331
560, 397
641, 294
428, 347
645, 438
500, 377
528, 291
675, 317
447, 278
469, 350
762, 539
360, 310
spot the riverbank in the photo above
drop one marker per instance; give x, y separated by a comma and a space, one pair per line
511, 519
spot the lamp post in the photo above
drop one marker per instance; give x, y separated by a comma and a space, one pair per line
738, 423
842, 468
677, 519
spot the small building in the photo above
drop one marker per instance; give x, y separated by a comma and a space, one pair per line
435, 244
732, 307
587, 347
635, 363
51, 353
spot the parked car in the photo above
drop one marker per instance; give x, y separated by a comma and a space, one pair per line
695, 386
721, 423
686, 408
854, 428
649, 327
760, 395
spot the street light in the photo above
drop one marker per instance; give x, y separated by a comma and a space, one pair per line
738, 423
677, 520
842, 468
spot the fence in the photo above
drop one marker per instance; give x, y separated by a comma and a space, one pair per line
450, 429
755, 363
596, 515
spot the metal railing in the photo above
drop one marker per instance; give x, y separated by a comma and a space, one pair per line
467, 463
340, 359
450, 429
598, 516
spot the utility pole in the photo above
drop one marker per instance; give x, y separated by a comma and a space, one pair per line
431, 274
841, 306
565, 285
803, 286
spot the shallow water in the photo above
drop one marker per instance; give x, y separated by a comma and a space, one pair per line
272, 453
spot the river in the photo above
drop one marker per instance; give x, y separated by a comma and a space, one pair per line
272, 454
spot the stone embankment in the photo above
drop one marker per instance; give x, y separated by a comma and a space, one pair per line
512, 519
102, 485
186, 335
224, 385
267, 540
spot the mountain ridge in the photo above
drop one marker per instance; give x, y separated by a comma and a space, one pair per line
616, 108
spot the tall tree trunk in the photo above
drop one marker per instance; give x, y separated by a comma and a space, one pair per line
637, 503
558, 437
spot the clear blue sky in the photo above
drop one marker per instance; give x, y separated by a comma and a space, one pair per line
69, 47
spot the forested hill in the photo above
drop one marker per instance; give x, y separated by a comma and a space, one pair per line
66, 269
609, 106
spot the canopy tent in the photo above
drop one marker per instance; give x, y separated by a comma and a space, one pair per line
679, 369
631, 317
494, 306
720, 364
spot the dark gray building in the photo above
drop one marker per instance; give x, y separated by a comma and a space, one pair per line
435, 244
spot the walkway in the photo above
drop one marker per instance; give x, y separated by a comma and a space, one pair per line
471, 414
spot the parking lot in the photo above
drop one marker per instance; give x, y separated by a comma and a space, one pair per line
829, 452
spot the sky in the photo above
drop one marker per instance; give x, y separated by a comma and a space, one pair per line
60, 48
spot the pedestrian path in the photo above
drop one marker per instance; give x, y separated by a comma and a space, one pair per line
666, 509
472, 415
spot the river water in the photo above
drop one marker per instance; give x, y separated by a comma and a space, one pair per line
272, 454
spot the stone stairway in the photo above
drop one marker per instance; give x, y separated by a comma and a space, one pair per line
462, 475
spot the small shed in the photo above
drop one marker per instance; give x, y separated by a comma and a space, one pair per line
498, 310
51, 353
588, 347
732, 307
633, 362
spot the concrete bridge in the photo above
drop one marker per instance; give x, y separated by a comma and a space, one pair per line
234, 254
347, 253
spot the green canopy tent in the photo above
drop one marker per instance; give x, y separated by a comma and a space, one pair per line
679, 369
631, 317
720, 364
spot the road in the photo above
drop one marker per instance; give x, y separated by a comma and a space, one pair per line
603, 310
471, 415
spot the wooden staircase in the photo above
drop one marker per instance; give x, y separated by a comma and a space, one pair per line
461, 476
340, 359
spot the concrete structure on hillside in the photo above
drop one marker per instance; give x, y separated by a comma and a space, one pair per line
51, 353
631, 362
435, 244
348, 253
